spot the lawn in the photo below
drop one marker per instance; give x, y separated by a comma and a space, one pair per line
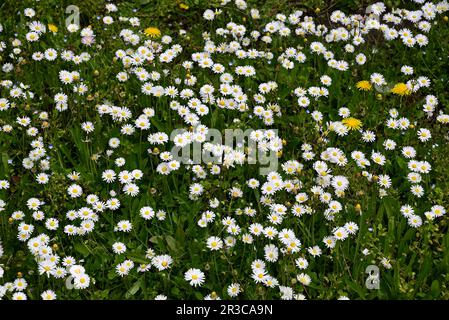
224, 149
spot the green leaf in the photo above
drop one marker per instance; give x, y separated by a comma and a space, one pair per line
82, 248
172, 243
133, 290
137, 258
435, 289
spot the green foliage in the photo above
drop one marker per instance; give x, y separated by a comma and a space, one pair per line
419, 257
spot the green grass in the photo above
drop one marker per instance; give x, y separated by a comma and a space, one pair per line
419, 256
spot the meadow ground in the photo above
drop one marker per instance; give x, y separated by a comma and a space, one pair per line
339, 190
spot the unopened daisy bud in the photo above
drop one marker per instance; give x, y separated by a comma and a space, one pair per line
213, 295
156, 151
45, 124
411, 126
358, 207
279, 154
445, 18
96, 73
375, 178
55, 247
153, 190
317, 10
379, 96
10, 220
207, 267
284, 142
19, 274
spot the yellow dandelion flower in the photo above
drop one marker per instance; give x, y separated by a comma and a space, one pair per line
401, 89
352, 123
364, 85
183, 6
52, 28
153, 32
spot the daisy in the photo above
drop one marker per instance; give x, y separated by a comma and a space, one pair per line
195, 277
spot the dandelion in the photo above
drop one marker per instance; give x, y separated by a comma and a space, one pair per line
53, 28
400, 89
352, 123
364, 85
152, 32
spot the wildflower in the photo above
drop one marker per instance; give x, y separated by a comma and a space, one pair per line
364, 85
400, 89
152, 32
195, 277
53, 28
352, 123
